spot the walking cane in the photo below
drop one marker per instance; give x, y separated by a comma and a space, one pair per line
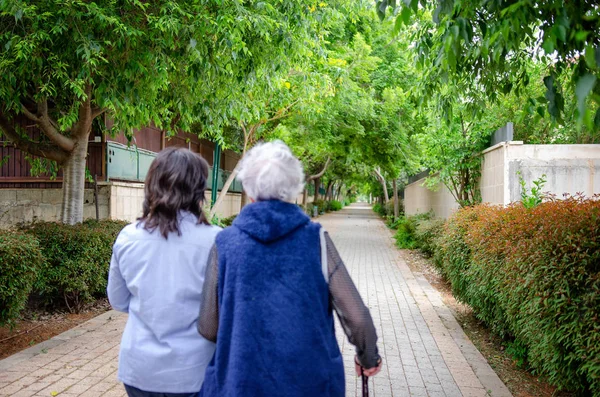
365, 383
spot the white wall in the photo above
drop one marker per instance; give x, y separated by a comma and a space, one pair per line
568, 168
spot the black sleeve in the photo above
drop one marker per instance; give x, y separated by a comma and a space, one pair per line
352, 312
208, 321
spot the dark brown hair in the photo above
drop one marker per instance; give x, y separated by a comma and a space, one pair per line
176, 181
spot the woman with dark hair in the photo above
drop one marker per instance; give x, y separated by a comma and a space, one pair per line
156, 275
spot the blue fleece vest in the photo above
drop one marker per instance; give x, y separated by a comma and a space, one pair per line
276, 334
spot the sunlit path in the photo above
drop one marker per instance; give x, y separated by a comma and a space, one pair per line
425, 351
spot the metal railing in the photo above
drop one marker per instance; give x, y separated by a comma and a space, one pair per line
131, 163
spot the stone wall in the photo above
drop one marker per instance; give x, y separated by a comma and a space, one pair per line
116, 200
29, 205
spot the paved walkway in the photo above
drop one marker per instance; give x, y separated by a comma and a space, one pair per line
425, 351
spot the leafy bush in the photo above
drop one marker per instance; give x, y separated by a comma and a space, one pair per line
76, 261
533, 276
335, 205
21, 259
225, 222
322, 205
379, 209
406, 228
426, 235
534, 197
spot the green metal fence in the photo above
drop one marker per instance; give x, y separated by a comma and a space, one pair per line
131, 163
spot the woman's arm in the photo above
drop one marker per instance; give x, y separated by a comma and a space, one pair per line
352, 312
208, 321
117, 291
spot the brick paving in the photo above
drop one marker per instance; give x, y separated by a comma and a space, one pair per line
425, 351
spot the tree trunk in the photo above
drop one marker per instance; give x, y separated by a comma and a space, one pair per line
304, 197
396, 206
381, 180
224, 190
339, 191
73, 188
329, 191
317, 184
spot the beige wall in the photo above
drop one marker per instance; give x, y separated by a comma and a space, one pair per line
29, 205
420, 199
492, 183
126, 200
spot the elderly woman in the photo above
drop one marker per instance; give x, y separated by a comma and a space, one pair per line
272, 281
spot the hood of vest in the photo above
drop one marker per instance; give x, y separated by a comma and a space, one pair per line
268, 221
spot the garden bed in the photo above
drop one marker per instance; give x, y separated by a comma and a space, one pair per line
37, 327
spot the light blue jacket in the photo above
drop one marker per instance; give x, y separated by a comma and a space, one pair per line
159, 283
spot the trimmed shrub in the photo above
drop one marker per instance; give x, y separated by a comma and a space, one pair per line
406, 228
76, 261
21, 259
379, 209
322, 205
335, 205
533, 276
426, 235
405, 232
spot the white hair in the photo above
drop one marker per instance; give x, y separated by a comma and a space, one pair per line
269, 171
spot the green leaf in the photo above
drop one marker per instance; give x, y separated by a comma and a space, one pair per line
584, 86
540, 110
383, 6
19, 14
590, 56
548, 45
561, 33
581, 35
405, 15
378, 9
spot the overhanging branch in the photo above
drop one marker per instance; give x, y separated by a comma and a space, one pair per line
40, 149
48, 126
321, 173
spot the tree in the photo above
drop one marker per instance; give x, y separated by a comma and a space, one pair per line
491, 43
65, 63
171, 63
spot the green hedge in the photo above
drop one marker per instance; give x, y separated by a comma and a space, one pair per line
533, 276
427, 233
21, 258
335, 205
76, 261
406, 229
